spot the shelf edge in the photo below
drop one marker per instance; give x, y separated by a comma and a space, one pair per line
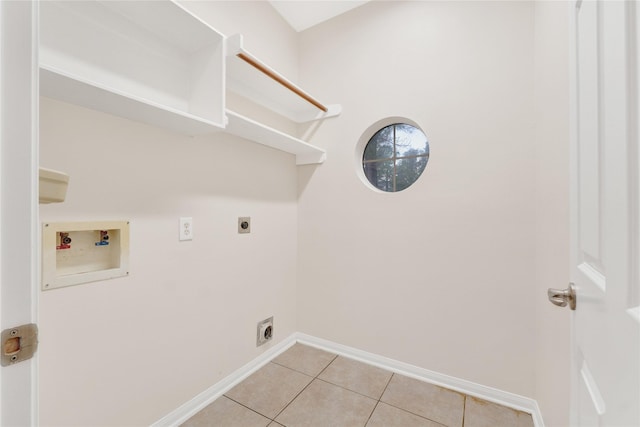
60, 85
252, 130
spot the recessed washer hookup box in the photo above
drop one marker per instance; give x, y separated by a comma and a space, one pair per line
81, 252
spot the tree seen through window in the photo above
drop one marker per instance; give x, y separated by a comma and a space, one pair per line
395, 157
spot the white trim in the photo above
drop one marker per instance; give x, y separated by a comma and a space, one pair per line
195, 405
500, 397
35, 206
19, 210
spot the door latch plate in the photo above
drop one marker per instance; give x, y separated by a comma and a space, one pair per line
18, 344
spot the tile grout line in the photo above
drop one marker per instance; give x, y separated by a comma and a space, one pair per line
464, 409
413, 413
378, 402
386, 386
346, 389
317, 377
243, 405
325, 368
353, 391
371, 414
285, 366
294, 398
305, 387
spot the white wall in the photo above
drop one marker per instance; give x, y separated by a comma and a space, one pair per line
441, 275
128, 351
449, 275
552, 208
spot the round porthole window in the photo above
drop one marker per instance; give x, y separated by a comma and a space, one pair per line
395, 157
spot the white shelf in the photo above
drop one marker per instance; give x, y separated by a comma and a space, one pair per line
59, 85
247, 81
250, 129
152, 62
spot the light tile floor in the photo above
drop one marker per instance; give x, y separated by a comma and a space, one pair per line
305, 386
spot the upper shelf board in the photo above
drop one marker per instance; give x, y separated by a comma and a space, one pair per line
245, 80
153, 24
74, 90
144, 60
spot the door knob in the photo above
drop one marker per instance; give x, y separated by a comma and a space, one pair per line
562, 297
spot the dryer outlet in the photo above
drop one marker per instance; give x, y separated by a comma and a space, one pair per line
265, 331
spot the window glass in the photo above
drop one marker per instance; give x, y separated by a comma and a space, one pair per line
408, 171
381, 145
410, 141
395, 157
380, 174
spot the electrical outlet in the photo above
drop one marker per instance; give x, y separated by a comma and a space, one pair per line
186, 228
265, 331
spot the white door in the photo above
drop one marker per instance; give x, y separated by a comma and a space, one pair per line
605, 234
18, 204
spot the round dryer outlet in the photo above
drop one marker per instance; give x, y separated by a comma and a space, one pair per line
265, 331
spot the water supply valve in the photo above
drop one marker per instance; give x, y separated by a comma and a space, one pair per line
104, 238
64, 241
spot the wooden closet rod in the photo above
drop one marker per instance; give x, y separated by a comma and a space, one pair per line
282, 81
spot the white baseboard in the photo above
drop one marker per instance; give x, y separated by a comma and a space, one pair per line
490, 394
500, 397
195, 405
